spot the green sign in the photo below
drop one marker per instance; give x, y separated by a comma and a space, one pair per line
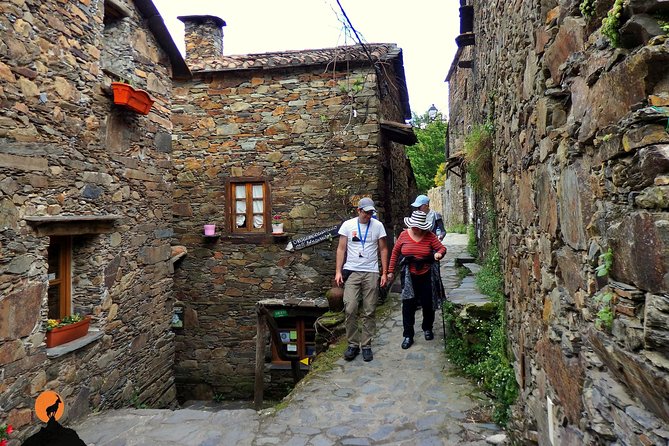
280, 313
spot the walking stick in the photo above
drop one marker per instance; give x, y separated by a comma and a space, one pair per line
442, 298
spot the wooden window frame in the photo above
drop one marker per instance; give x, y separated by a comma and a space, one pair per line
248, 182
302, 329
64, 275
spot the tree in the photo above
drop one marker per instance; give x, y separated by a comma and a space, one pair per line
427, 155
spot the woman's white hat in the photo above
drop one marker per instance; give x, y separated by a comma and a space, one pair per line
418, 220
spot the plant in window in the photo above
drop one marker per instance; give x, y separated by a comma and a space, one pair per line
67, 320
5, 430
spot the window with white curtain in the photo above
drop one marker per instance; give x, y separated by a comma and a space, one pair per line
249, 206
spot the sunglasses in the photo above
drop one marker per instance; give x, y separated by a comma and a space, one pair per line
368, 212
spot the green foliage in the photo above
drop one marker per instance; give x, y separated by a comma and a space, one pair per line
663, 22
605, 313
490, 280
463, 272
352, 89
428, 153
485, 360
478, 156
587, 8
67, 320
219, 397
459, 228
605, 263
611, 23
136, 403
472, 247
440, 176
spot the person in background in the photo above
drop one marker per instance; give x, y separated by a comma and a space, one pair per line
420, 250
361, 240
422, 203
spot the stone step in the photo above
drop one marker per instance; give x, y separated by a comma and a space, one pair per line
463, 258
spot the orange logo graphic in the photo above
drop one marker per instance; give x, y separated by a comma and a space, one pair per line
49, 405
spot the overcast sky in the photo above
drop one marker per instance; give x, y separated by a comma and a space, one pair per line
424, 29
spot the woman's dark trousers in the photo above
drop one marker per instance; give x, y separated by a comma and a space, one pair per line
422, 289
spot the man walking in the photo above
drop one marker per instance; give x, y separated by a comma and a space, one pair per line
422, 203
361, 240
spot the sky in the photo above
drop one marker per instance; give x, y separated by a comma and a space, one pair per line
424, 29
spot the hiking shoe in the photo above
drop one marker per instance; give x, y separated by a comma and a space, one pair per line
367, 354
351, 352
429, 335
407, 342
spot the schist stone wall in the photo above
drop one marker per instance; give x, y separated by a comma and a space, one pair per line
66, 150
311, 131
581, 166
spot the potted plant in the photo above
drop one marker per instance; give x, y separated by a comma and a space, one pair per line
134, 99
67, 329
277, 225
5, 430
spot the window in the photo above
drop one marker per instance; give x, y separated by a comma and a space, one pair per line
249, 210
298, 338
60, 277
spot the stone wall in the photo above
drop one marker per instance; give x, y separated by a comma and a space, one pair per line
312, 132
66, 150
581, 162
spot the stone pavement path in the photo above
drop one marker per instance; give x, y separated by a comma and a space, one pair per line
402, 397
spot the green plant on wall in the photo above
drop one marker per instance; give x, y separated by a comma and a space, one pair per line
611, 23
605, 263
478, 157
587, 8
605, 313
352, 88
663, 21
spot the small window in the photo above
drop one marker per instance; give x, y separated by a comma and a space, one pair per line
60, 277
298, 338
248, 207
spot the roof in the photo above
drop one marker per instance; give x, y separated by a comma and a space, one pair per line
399, 132
296, 58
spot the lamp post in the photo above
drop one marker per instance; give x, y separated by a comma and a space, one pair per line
432, 112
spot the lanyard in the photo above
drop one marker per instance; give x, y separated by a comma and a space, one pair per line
363, 240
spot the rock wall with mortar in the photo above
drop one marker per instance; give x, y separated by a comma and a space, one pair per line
319, 146
65, 149
581, 166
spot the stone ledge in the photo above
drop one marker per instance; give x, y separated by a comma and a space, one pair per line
72, 224
63, 349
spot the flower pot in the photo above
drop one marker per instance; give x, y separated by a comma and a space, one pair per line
209, 229
277, 228
68, 333
136, 100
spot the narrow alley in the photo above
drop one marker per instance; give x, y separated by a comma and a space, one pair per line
402, 397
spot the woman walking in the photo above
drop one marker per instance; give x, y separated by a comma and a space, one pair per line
419, 248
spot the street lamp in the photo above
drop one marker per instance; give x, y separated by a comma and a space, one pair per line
432, 112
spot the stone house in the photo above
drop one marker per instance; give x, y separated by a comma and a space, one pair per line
580, 186
85, 205
94, 197
298, 134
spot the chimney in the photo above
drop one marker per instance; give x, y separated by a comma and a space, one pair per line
203, 37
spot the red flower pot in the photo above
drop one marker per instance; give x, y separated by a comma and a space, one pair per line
61, 335
136, 100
